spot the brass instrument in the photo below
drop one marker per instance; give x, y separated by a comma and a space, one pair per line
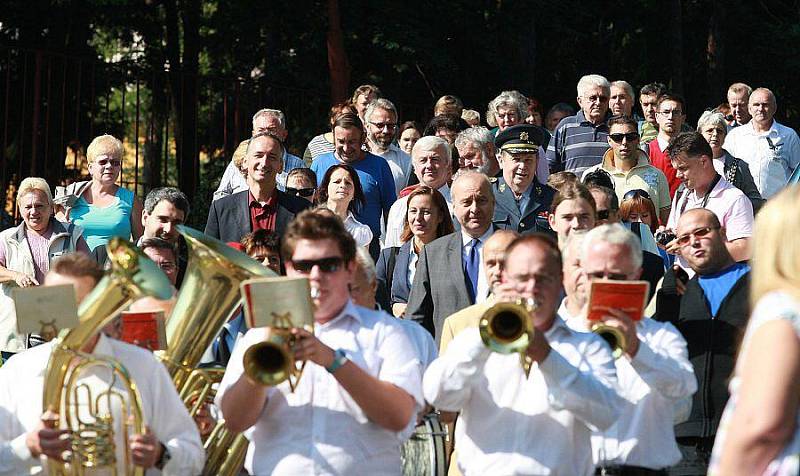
132, 275
272, 361
208, 298
613, 336
506, 328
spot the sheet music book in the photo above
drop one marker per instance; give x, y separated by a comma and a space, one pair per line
145, 329
629, 297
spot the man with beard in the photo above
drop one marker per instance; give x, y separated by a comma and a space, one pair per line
670, 115
522, 200
262, 206
374, 173
381, 123
476, 151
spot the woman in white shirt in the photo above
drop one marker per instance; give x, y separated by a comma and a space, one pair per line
340, 192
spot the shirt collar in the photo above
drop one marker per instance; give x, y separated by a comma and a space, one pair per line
271, 201
559, 326
349, 310
466, 239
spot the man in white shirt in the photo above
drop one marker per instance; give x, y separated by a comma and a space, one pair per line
511, 423
360, 390
654, 374
171, 444
431, 158
380, 119
771, 149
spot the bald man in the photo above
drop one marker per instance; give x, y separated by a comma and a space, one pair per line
494, 258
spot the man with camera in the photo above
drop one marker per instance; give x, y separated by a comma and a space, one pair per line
513, 423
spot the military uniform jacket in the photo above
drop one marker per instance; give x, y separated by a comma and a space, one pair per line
507, 215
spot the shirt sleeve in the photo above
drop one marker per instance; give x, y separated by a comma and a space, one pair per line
739, 222
174, 427
664, 199
15, 458
589, 390
395, 224
554, 151
401, 365
663, 362
449, 379
225, 183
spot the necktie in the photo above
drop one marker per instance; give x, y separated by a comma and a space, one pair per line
222, 351
473, 268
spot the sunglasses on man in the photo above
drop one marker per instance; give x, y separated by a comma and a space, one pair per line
326, 265
618, 136
300, 192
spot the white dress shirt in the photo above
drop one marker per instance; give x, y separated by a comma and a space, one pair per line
399, 164
772, 155
359, 231
233, 181
21, 393
510, 424
319, 428
466, 247
653, 384
397, 218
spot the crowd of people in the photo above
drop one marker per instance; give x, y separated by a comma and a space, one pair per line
411, 238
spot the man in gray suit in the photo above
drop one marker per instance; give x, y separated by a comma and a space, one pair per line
262, 205
450, 273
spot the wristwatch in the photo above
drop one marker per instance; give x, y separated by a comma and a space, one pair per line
165, 457
339, 359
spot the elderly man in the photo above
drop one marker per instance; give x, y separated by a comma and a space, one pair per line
648, 99
171, 442
449, 273
494, 258
376, 177
360, 387
476, 151
431, 161
512, 422
621, 101
670, 115
261, 206
691, 157
711, 314
738, 99
630, 168
522, 200
771, 149
381, 122
581, 140
508, 109
265, 120
654, 372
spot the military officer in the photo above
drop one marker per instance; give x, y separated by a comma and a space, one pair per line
522, 201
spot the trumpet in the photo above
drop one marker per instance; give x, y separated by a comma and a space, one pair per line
272, 361
506, 328
613, 336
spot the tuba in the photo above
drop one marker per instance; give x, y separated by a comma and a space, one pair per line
506, 328
131, 276
613, 336
209, 296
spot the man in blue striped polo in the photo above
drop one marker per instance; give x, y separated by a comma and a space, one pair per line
581, 140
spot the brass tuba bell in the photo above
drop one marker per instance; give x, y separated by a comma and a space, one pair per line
132, 275
613, 336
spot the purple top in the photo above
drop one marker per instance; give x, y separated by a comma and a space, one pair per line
39, 246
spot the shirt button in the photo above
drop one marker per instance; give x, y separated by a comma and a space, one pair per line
522, 224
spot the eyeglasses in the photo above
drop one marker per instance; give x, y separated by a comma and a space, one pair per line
389, 126
326, 265
603, 214
104, 162
596, 98
271, 259
606, 275
630, 136
673, 112
302, 192
636, 192
167, 266
698, 234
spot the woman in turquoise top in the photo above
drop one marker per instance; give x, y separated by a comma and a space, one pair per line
103, 208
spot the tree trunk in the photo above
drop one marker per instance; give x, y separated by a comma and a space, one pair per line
715, 53
676, 40
338, 65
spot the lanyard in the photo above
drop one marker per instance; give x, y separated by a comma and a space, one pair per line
705, 197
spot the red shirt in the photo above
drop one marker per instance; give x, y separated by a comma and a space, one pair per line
263, 217
659, 159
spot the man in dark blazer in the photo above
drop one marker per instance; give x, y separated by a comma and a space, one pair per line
522, 202
262, 205
450, 274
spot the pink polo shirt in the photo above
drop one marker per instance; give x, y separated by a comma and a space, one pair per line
729, 204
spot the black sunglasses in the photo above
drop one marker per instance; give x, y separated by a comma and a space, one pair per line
326, 265
637, 192
303, 192
617, 137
